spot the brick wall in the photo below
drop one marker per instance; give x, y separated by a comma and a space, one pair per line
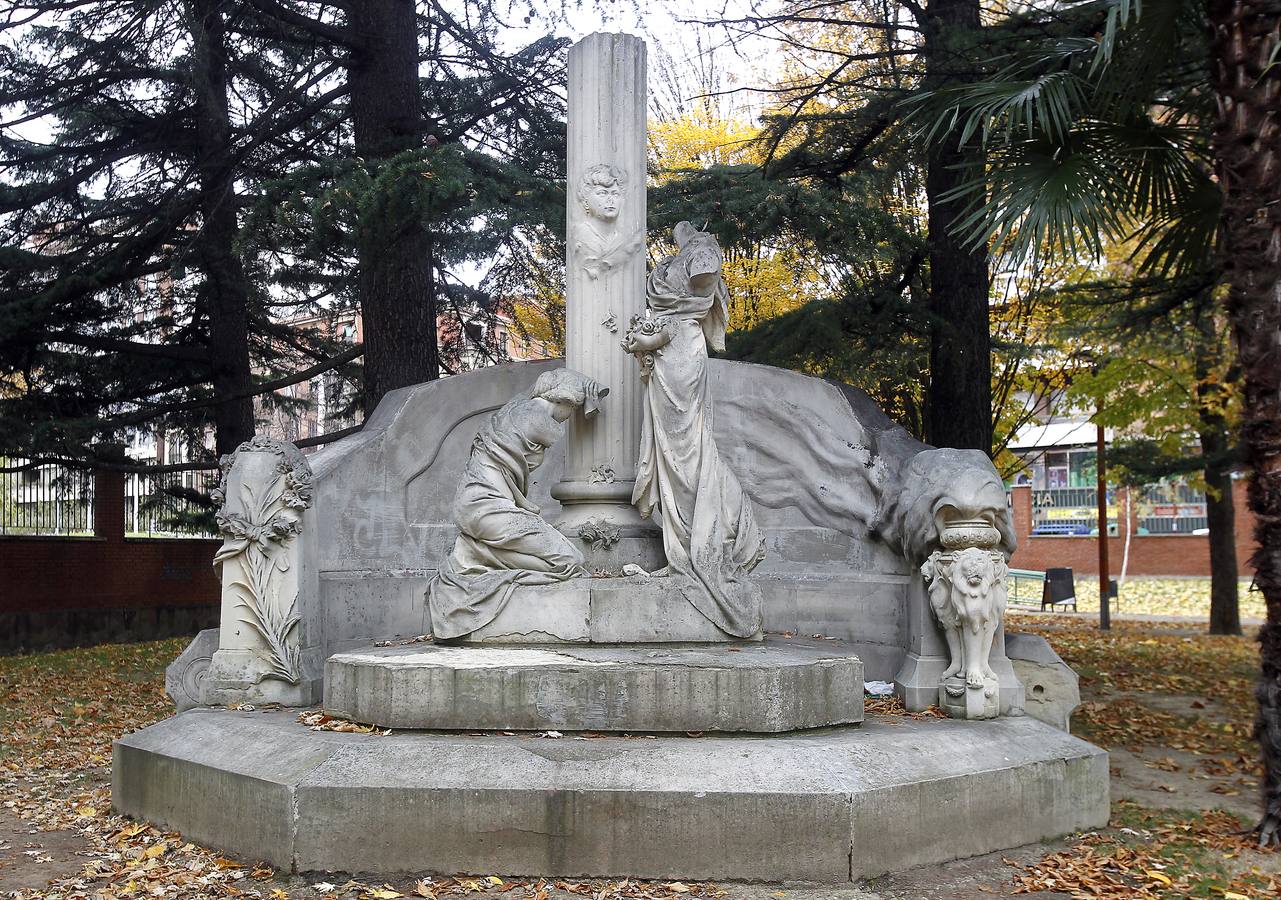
1150, 554
61, 591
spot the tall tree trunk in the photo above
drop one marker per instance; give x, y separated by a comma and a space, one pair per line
959, 399
397, 282
1247, 150
1220, 513
225, 292
1225, 615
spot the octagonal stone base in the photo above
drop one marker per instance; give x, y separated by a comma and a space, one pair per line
830, 805
780, 684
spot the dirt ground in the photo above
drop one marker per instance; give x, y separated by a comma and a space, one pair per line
1171, 705
30, 857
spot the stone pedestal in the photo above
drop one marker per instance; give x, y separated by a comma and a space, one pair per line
268, 639
604, 288
599, 611
919, 678
966, 583
778, 685
969, 701
917, 681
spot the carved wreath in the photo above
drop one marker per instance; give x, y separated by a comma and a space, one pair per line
258, 540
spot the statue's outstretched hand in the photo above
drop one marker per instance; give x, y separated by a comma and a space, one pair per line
645, 336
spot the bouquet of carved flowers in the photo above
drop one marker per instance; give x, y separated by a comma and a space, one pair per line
645, 337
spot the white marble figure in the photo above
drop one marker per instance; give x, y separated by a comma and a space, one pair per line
503, 541
709, 531
599, 247
262, 496
968, 595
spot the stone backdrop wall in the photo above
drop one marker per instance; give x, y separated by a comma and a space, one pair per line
814, 456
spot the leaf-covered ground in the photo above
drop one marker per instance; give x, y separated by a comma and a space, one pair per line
1173, 705
1175, 708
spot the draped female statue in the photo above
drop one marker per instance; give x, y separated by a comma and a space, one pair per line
709, 532
503, 541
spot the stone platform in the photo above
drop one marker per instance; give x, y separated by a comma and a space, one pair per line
830, 805
780, 684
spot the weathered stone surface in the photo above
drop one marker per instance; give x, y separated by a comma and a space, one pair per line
1053, 689
636, 609
812, 456
270, 628
778, 685
605, 261
829, 805
230, 785
502, 540
185, 676
710, 534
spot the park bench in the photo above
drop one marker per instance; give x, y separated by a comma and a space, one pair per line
1017, 583
1057, 588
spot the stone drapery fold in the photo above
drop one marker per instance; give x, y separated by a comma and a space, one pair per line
710, 535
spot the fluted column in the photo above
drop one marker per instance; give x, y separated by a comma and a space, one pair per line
604, 287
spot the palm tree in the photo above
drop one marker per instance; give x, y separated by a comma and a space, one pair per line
1102, 125
1247, 140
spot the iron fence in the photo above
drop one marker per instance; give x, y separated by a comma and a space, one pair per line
1161, 508
169, 504
1066, 511
46, 500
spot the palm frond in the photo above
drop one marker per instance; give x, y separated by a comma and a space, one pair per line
1083, 192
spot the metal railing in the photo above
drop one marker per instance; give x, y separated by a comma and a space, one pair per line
1065, 511
47, 500
1172, 524
168, 504
1166, 508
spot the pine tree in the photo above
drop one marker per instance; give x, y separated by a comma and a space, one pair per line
124, 299
442, 164
842, 109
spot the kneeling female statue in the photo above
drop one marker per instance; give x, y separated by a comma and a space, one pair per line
503, 541
709, 532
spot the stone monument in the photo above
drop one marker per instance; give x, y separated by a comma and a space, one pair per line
503, 541
714, 555
710, 536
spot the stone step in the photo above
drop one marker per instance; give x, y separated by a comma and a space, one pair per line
779, 684
830, 805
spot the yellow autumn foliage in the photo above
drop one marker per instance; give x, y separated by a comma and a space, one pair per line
763, 280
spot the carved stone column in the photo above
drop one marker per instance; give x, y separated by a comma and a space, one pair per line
266, 641
967, 589
604, 287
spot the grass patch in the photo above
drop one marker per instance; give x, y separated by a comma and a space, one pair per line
1165, 597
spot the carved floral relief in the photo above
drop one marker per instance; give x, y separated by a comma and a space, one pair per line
259, 524
600, 533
